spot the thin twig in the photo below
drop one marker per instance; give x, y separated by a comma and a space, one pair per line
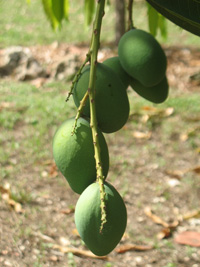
78, 74
130, 14
78, 114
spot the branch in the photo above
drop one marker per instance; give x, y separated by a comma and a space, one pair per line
78, 74
130, 14
91, 90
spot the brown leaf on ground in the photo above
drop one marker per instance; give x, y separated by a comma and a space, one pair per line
163, 113
191, 214
188, 238
154, 217
178, 174
53, 170
168, 227
7, 197
68, 211
164, 233
80, 252
130, 247
196, 170
191, 132
75, 232
141, 135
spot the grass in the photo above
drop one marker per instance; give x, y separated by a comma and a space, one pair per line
41, 115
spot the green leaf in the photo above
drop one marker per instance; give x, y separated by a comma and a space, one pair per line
153, 18
58, 9
47, 5
184, 13
89, 8
66, 9
162, 26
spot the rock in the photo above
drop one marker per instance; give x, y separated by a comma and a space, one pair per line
31, 70
19, 62
67, 68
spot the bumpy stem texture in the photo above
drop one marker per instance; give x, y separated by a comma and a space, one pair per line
76, 77
91, 91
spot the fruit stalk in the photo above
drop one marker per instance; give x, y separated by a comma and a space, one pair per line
130, 14
76, 77
91, 91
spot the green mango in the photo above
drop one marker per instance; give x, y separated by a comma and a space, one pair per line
74, 155
112, 104
115, 65
142, 57
156, 94
88, 219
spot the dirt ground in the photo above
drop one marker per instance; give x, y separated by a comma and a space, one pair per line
155, 169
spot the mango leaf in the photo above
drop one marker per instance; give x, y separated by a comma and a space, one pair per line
66, 9
152, 19
156, 22
47, 5
89, 8
58, 9
184, 13
162, 26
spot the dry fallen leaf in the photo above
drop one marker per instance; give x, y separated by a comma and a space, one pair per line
191, 214
168, 227
7, 197
196, 170
154, 217
178, 174
129, 247
164, 233
191, 132
53, 171
152, 111
188, 238
80, 252
141, 135
68, 211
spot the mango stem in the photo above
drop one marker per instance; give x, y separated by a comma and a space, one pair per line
95, 42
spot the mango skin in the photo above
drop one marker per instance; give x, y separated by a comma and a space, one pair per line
115, 65
88, 219
74, 155
112, 104
142, 57
156, 94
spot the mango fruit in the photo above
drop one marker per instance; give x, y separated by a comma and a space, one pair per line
112, 104
156, 94
74, 155
142, 57
88, 219
115, 65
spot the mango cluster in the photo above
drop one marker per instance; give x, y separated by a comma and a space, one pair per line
141, 64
